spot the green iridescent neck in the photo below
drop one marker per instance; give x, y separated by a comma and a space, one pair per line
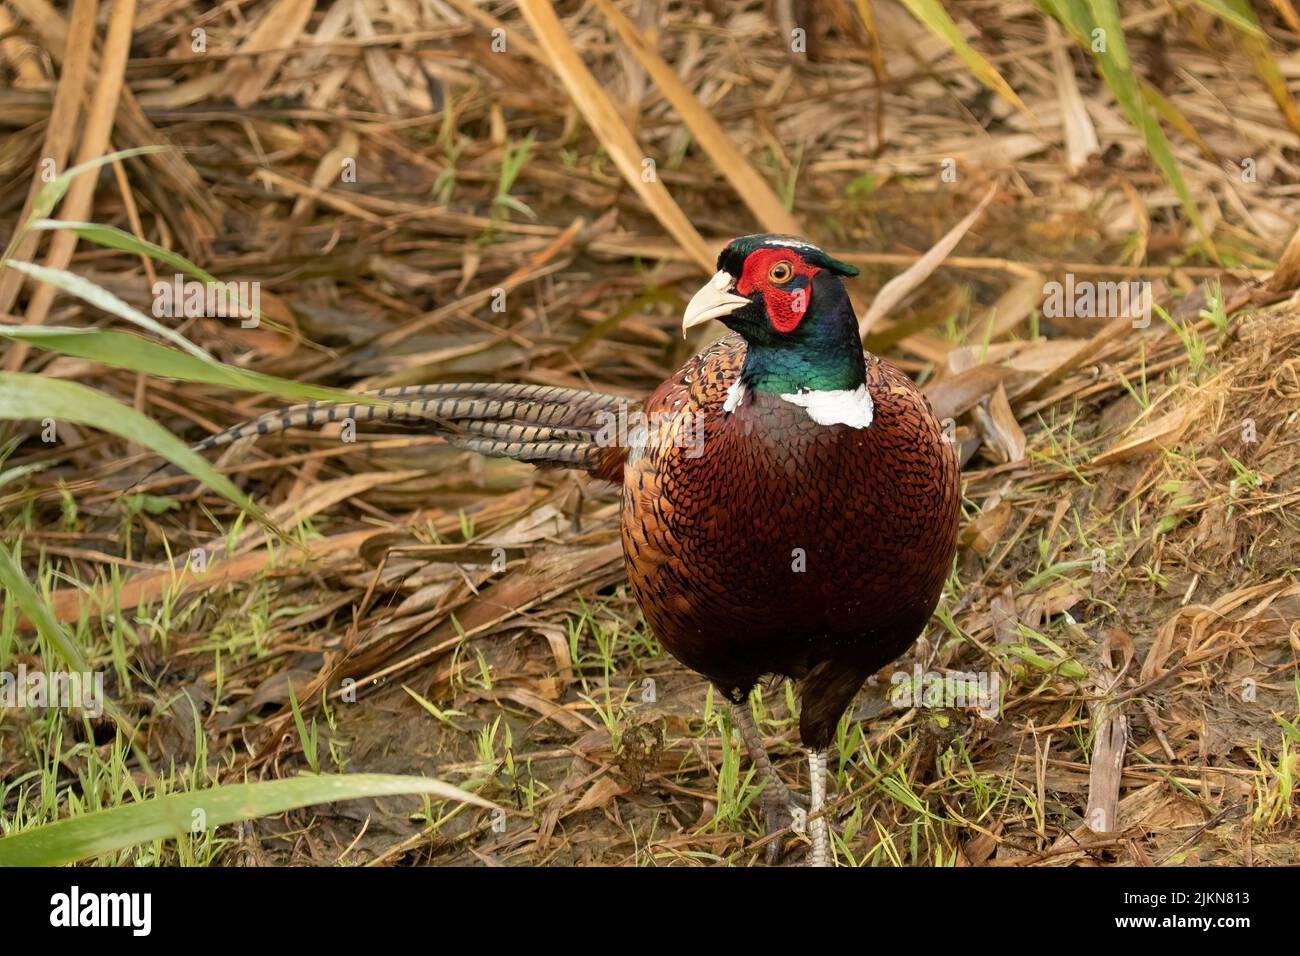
784, 371
824, 354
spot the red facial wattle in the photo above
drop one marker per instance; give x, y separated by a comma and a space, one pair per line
786, 302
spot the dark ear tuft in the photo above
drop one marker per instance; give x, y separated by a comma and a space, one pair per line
839, 267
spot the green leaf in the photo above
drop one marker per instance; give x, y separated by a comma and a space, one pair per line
49, 195
510, 202
54, 190
87, 291
1255, 42
26, 396
115, 238
1089, 20
1173, 116
174, 815
933, 15
15, 584
138, 354
1242, 20
149, 504
38, 612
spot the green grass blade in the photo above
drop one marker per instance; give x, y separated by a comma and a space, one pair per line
932, 14
115, 238
56, 188
1243, 21
1090, 20
87, 291
18, 588
24, 396
104, 831
49, 195
1168, 111
1255, 43
138, 354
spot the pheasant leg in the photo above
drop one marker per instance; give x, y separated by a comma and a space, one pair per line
818, 830
779, 802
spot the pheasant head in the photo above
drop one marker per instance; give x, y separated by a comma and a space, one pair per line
786, 298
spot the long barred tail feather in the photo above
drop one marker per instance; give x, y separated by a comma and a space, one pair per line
542, 424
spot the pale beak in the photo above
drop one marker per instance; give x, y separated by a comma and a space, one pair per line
714, 300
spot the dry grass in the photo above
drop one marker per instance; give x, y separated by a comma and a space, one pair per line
1130, 565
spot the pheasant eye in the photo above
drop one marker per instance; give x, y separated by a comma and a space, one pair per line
781, 272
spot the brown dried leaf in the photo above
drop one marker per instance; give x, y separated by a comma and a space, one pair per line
1010, 435
985, 531
1161, 433
598, 795
952, 396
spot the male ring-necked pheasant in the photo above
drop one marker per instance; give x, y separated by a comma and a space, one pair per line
789, 505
